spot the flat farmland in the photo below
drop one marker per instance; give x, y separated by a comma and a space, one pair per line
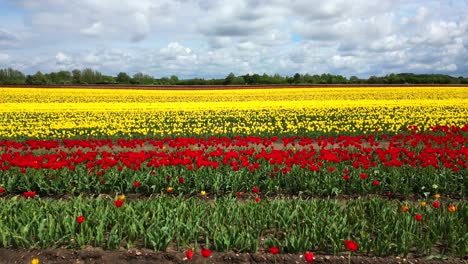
368, 174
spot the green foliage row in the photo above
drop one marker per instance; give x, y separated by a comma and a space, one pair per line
379, 227
90, 76
401, 181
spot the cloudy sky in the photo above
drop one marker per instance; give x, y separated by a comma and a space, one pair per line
210, 38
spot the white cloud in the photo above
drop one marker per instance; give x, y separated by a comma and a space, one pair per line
95, 29
62, 58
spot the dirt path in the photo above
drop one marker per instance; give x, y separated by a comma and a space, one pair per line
95, 256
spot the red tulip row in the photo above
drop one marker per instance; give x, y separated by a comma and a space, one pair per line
445, 150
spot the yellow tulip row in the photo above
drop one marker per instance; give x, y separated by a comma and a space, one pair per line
45, 113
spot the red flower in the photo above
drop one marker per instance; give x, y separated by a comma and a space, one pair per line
205, 253
189, 254
29, 194
376, 182
239, 194
255, 189
436, 204
80, 219
346, 177
181, 180
169, 178
118, 203
274, 250
309, 257
351, 245
136, 184
363, 176
2, 190
418, 217
331, 169
257, 199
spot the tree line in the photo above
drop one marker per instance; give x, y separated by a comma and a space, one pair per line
90, 76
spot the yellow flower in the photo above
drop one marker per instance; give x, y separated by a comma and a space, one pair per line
452, 208
203, 193
35, 261
169, 189
122, 197
437, 196
423, 203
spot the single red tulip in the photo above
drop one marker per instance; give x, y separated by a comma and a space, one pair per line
436, 204
255, 189
351, 245
376, 183
2, 190
136, 184
274, 250
189, 254
418, 217
205, 253
80, 219
363, 176
257, 199
181, 180
309, 257
118, 203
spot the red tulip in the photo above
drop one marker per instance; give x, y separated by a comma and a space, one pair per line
418, 217
205, 253
118, 203
136, 184
80, 219
274, 250
436, 204
181, 180
257, 199
309, 257
189, 254
255, 189
376, 183
363, 176
2, 190
239, 194
346, 177
351, 245
29, 194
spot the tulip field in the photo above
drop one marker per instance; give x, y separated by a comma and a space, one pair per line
283, 174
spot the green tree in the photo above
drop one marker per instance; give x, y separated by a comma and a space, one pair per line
123, 77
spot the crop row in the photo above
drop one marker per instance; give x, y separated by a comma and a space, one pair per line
80, 113
416, 163
379, 227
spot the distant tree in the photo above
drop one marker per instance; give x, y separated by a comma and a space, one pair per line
297, 78
140, 78
39, 79
174, 79
229, 79
123, 78
353, 79
76, 76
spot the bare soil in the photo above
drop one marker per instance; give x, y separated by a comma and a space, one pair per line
95, 256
